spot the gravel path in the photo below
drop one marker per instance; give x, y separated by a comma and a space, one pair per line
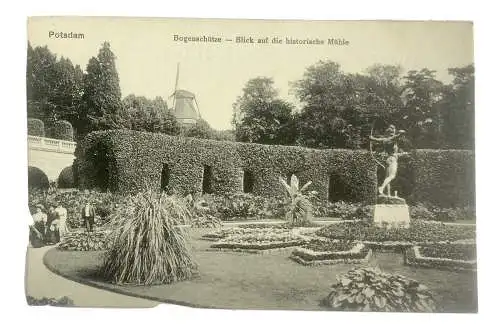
40, 282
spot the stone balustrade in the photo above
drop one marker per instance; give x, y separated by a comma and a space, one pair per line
51, 144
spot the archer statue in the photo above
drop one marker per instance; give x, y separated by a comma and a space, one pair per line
390, 145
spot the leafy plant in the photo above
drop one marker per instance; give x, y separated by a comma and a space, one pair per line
200, 214
369, 289
84, 241
299, 207
420, 211
147, 244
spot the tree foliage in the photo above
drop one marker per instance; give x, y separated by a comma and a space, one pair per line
142, 114
102, 94
54, 87
259, 116
340, 109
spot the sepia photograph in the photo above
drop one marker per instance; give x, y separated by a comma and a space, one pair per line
251, 164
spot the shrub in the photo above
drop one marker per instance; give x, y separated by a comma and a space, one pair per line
363, 212
37, 179
62, 130
369, 289
147, 246
36, 127
420, 211
200, 214
84, 241
66, 179
243, 206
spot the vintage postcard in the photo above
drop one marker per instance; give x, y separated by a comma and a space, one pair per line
251, 164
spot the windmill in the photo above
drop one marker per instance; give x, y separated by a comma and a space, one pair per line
185, 106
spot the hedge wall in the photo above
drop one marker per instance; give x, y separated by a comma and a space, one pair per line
37, 178
66, 178
128, 161
443, 177
62, 130
36, 127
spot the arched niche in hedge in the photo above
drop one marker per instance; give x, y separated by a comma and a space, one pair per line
338, 188
248, 181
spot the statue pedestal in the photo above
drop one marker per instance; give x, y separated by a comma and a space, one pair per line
391, 212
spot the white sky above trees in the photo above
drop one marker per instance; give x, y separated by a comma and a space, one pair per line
147, 56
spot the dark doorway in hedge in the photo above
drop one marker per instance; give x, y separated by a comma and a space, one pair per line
248, 182
37, 178
338, 189
207, 179
165, 177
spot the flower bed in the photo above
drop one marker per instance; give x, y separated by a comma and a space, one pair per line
261, 238
457, 256
450, 251
322, 252
419, 232
83, 241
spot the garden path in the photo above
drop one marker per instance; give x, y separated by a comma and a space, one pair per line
41, 282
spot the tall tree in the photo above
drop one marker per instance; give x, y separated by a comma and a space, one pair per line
259, 116
422, 116
54, 87
142, 114
41, 79
102, 94
332, 106
457, 108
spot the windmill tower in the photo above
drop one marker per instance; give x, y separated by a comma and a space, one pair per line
185, 106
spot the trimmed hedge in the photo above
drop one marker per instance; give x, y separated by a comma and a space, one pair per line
66, 179
62, 130
443, 177
37, 178
36, 127
129, 161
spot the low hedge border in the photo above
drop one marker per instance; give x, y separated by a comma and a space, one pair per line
257, 246
253, 251
413, 257
401, 245
357, 255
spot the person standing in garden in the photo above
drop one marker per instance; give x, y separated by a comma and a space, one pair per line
52, 229
88, 216
63, 215
37, 228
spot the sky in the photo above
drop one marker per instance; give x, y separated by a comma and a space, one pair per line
147, 54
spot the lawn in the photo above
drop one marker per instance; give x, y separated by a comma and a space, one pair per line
271, 281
